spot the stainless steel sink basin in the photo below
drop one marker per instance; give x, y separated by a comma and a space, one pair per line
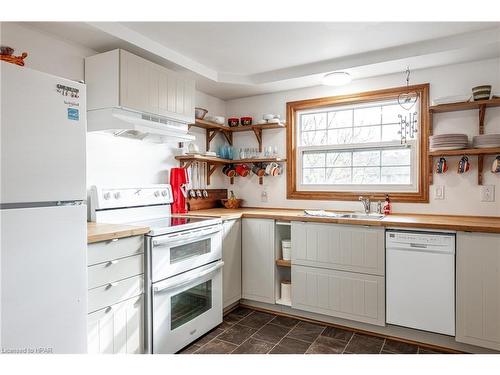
362, 216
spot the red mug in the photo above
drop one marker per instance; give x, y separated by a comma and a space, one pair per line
243, 170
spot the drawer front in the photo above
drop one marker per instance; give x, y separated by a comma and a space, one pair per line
105, 251
119, 291
339, 294
117, 329
115, 270
339, 247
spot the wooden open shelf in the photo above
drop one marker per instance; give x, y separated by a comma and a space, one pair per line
213, 162
479, 105
212, 129
283, 263
466, 151
464, 106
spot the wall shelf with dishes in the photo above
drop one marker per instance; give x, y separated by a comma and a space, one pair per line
480, 149
214, 162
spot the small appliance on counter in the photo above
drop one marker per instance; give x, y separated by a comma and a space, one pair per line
179, 181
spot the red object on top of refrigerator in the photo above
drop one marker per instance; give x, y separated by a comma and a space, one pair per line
179, 180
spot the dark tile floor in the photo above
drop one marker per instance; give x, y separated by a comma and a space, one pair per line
247, 331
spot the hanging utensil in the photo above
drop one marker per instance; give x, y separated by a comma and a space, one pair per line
198, 181
192, 193
205, 192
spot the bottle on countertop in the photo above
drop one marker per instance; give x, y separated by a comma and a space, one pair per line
387, 205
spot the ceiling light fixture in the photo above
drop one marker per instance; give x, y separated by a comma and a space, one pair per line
337, 79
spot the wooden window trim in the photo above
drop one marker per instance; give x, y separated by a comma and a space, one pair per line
421, 196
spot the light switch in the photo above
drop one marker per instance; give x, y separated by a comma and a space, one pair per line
488, 193
439, 192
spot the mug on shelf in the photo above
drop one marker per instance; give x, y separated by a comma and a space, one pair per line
495, 166
441, 166
229, 170
259, 170
463, 165
273, 169
242, 169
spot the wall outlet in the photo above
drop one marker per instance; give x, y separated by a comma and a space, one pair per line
439, 192
488, 193
263, 195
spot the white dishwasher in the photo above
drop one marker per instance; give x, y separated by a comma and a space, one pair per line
420, 280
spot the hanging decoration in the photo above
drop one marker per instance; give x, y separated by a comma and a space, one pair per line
409, 122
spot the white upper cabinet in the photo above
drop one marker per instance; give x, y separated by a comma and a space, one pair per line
353, 248
478, 289
121, 79
258, 260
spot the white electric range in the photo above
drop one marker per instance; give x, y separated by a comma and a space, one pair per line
183, 266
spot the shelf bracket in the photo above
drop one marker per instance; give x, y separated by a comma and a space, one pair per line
211, 133
480, 159
231, 180
258, 135
482, 113
210, 171
186, 164
228, 135
261, 180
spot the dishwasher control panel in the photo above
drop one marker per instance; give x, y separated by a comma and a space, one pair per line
421, 238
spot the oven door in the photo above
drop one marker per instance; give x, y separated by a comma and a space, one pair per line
186, 307
179, 252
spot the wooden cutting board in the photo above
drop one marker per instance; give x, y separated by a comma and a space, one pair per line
213, 200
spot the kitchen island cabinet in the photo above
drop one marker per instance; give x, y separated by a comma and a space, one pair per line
231, 255
478, 289
258, 260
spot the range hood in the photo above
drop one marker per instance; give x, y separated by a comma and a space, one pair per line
121, 122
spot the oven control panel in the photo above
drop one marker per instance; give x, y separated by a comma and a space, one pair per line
106, 198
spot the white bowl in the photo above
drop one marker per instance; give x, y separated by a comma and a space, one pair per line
219, 120
268, 116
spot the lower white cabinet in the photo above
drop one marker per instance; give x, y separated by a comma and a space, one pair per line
231, 255
117, 328
478, 289
347, 295
258, 260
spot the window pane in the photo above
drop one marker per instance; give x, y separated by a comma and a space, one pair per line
366, 158
366, 134
311, 160
340, 136
338, 159
390, 113
396, 157
340, 119
366, 175
314, 176
314, 138
396, 175
338, 176
391, 133
368, 116
313, 121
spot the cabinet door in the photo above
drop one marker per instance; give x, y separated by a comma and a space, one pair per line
118, 328
340, 294
478, 289
258, 260
342, 247
189, 99
134, 82
231, 255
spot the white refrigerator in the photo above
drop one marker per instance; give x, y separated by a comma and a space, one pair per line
43, 213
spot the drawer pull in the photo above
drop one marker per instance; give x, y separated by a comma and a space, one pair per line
110, 285
108, 309
111, 262
114, 240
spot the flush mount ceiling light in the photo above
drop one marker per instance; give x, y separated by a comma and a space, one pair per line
337, 79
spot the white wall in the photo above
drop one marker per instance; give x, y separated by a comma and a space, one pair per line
110, 161
462, 194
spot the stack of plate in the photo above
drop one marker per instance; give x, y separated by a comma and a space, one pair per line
486, 141
448, 142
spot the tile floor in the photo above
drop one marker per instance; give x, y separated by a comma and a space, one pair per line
247, 331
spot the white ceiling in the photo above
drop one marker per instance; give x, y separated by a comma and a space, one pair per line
231, 60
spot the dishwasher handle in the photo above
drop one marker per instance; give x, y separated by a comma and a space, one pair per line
422, 249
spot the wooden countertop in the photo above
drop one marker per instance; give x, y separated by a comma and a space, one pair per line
97, 232
449, 222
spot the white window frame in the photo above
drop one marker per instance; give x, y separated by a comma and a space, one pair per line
413, 144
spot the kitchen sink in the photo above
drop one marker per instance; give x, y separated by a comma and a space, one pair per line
338, 215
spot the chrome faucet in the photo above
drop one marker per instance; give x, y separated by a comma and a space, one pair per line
366, 204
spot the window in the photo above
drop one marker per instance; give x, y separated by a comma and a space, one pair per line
341, 147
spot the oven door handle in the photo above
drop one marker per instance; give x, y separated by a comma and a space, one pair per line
188, 236
196, 275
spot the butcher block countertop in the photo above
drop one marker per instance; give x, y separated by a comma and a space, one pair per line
449, 222
97, 232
